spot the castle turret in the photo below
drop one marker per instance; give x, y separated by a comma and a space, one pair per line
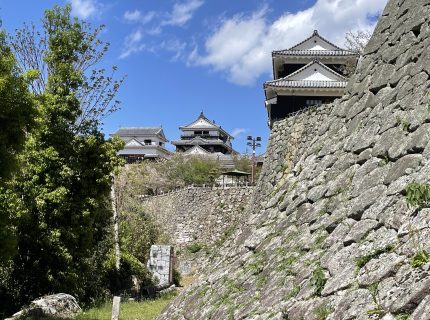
310, 73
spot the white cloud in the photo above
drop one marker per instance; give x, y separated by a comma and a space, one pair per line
238, 131
182, 12
132, 44
137, 16
84, 8
174, 46
241, 46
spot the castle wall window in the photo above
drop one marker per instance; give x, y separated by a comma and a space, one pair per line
311, 102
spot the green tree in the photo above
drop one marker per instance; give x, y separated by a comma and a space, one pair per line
65, 180
242, 163
138, 229
186, 170
17, 114
96, 92
16, 110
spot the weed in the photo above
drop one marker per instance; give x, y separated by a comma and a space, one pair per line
402, 316
292, 186
257, 264
318, 280
286, 263
418, 194
195, 247
363, 260
377, 311
405, 125
373, 289
420, 259
320, 239
176, 277
384, 161
322, 312
227, 233
233, 287
293, 293
339, 190
261, 281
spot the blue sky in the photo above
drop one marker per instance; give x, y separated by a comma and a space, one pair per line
184, 56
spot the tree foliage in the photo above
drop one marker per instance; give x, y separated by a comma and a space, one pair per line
138, 230
193, 169
242, 163
356, 41
17, 110
65, 179
97, 88
17, 113
178, 171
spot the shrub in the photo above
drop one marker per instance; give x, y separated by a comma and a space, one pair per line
176, 277
130, 266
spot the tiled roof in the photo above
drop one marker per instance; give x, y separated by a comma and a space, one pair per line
200, 141
287, 82
315, 33
310, 65
204, 123
140, 131
305, 84
317, 53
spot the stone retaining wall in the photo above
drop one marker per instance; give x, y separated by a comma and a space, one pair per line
329, 234
198, 215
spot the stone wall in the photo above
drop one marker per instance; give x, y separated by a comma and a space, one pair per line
160, 264
198, 215
329, 234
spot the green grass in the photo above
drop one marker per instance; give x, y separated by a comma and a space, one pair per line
144, 310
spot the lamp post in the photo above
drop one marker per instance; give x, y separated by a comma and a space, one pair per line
254, 143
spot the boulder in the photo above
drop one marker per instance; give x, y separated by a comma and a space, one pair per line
60, 305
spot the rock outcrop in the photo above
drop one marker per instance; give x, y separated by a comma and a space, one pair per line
329, 234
